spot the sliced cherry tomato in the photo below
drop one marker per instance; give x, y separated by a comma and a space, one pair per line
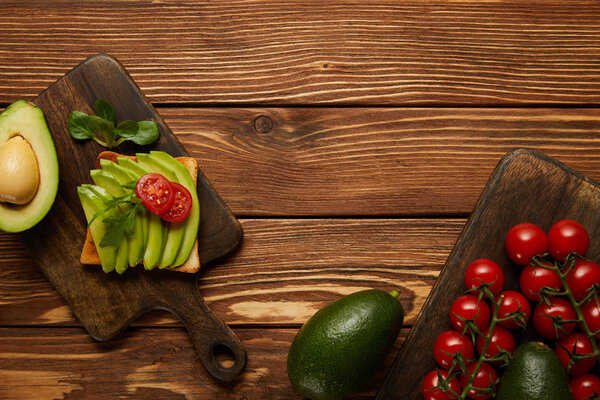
576, 343
450, 343
582, 277
501, 339
484, 271
524, 241
544, 315
469, 308
483, 383
591, 315
432, 380
512, 302
585, 387
182, 204
534, 278
565, 237
156, 193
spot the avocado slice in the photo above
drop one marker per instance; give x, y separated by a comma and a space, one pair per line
137, 241
137, 171
534, 372
23, 125
156, 229
177, 229
92, 203
192, 222
112, 185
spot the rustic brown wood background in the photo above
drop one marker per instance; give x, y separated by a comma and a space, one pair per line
351, 138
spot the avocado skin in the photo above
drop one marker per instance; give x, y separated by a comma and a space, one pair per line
534, 373
342, 345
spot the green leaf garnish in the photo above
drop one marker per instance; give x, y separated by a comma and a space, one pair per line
147, 133
80, 126
104, 110
101, 127
120, 226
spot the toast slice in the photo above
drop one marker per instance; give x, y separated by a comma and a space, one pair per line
89, 255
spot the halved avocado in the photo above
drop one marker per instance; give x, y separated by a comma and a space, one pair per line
26, 150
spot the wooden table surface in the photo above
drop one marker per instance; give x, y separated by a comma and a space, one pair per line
351, 139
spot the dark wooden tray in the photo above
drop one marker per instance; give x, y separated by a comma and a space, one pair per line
107, 303
525, 187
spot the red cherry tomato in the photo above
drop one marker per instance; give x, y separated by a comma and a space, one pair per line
485, 378
511, 302
582, 277
565, 237
432, 380
575, 343
484, 271
585, 387
470, 308
156, 193
543, 318
534, 278
524, 241
501, 339
182, 205
591, 315
449, 343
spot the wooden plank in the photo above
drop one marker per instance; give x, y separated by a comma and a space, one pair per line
144, 364
282, 273
334, 52
372, 161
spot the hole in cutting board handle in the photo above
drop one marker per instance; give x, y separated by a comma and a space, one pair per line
223, 357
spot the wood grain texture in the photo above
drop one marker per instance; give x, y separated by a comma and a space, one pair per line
284, 271
144, 364
304, 52
526, 187
372, 161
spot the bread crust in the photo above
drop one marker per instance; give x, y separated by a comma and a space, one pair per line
89, 255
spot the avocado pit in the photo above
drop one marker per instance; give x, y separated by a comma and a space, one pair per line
19, 171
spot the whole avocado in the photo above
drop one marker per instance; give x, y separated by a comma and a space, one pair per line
342, 345
534, 373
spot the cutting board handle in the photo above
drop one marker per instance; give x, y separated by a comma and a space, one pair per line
210, 335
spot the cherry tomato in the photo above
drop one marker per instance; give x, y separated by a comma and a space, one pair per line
567, 236
182, 204
585, 387
156, 193
591, 315
501, 339
470, 308
485, 378
511, 302
575, 343
534, 278
449, 343
543, 318
524, 241
432, 379
484, 271
582, 277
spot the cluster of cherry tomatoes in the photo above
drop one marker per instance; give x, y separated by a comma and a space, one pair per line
562, 287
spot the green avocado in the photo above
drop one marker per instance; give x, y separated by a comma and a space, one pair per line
23, 128
534, 373
342, 345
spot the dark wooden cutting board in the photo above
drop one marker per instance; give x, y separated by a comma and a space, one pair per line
107, 303
525, 187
